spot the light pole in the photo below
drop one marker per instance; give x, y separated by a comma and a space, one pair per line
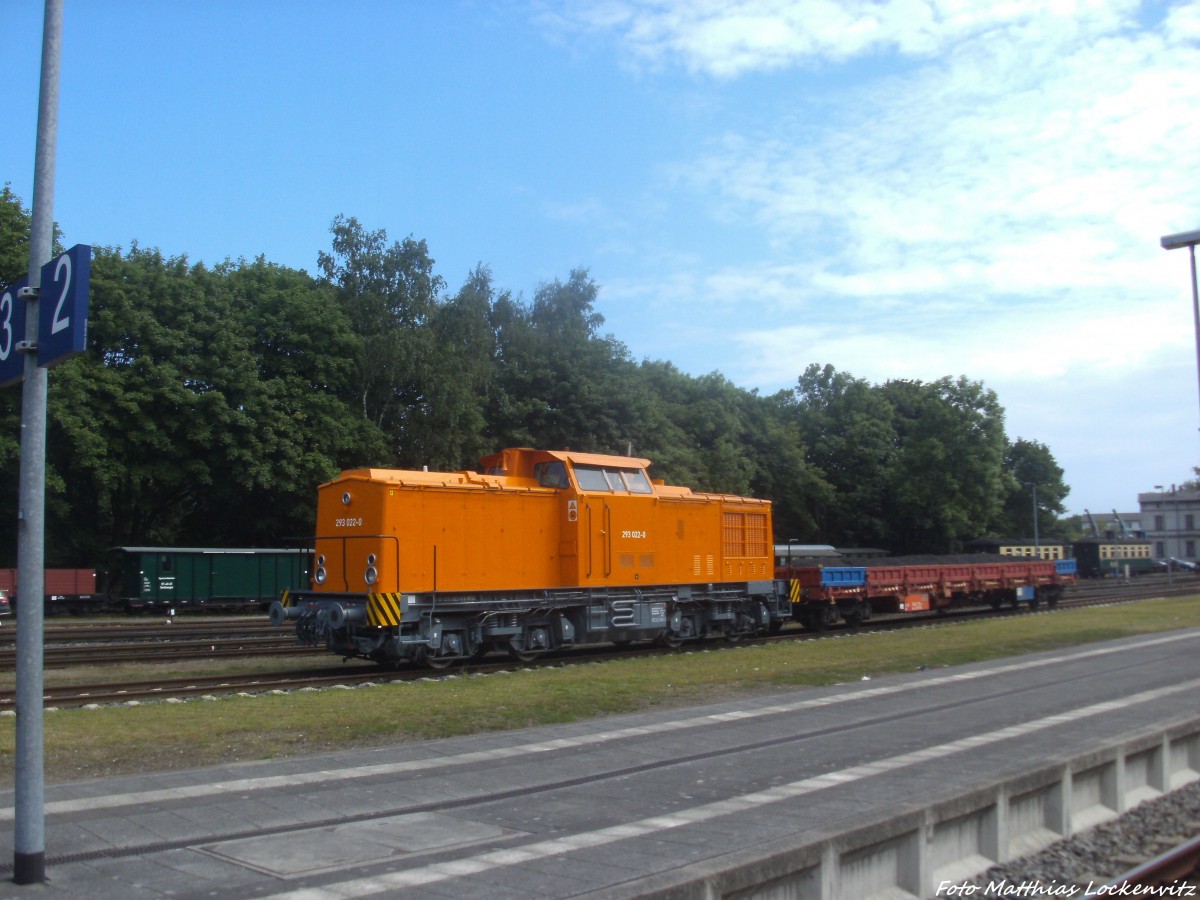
1037, 547
1189, 239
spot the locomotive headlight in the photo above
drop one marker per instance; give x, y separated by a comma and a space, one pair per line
346, 499
371, 575
320, 575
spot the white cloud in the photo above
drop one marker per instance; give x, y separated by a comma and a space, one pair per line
1074, 344
726, 38
982, 193
979, 176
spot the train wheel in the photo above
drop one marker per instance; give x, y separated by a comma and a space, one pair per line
524, 656
670, 641
382, 660
528, 646
733, 635
453, 649
817, 622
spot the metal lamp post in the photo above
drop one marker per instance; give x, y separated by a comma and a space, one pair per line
1189, 239
1037, 547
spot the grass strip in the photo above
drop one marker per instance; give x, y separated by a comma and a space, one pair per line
122, 740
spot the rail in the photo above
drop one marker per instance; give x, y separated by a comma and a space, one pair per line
1180, 864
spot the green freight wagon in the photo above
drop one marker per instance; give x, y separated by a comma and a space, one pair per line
200, 578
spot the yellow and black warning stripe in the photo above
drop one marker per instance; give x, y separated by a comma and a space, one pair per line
794, 593
384, 610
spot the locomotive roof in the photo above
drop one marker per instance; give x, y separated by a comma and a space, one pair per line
572, 456
494, 460
600, 459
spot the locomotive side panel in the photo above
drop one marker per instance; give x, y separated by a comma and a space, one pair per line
478, 541
619, 529
352, 551
691, 526
405, 532
646, 541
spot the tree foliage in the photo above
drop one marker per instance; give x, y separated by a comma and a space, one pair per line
1030, 471
389, 294
912, 467
846, 427
212, 401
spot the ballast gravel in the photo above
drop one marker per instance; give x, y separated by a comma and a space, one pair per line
1101, 854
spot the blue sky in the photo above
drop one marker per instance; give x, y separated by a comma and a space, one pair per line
908, 189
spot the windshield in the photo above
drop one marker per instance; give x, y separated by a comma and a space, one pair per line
612, 480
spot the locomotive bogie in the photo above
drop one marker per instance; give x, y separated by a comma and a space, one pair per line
437, 629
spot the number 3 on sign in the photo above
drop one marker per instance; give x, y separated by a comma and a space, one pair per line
6, 330
12, 329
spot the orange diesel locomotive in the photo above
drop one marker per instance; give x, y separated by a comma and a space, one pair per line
539, 550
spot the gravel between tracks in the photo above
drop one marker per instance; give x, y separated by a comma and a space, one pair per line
1106, 851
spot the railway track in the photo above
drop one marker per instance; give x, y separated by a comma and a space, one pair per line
1176, 868
358, 674
109, 643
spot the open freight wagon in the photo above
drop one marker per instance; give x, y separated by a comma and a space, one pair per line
199, 578
66, 591
823, 595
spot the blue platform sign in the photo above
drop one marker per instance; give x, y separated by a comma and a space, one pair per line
63, 306
62, 315
12, 329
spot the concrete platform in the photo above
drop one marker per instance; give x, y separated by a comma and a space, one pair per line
872, 789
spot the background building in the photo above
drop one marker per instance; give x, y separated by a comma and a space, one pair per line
1114, 524
1170, 518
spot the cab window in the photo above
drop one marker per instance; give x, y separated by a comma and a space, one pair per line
612, 480
636, 481
551, 474
591, 478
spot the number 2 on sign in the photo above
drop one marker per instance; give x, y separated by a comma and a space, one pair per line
60, 321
